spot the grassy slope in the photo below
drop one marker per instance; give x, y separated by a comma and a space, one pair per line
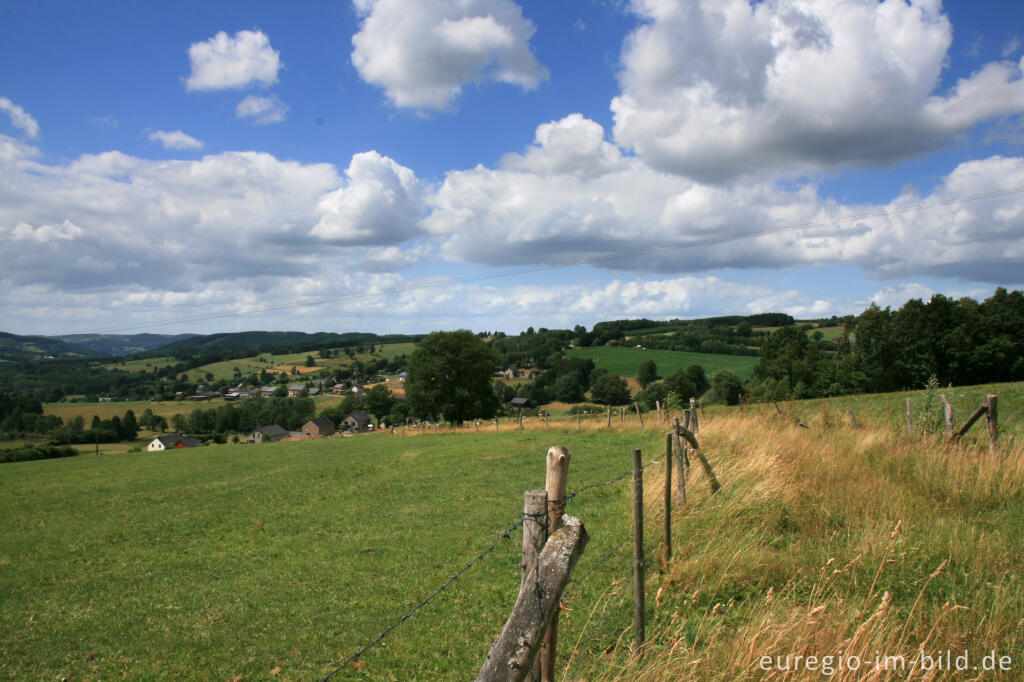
245, 560
624, 361
237, 560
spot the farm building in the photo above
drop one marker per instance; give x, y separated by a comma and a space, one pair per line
519, 402
267, 434
171, 441
357, 421
321, 427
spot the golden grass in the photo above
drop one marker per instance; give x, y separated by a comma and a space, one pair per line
834, 541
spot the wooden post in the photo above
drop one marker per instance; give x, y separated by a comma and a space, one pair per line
657, 405
495, 423
638, 415
975, 416
513, 653
947, 412
993, 422
680, 465
639, 634
556, 483
853, 419
693, 415
535, 535
668, 496
715, 485
622, 414
609, 407
577, 422
910, 422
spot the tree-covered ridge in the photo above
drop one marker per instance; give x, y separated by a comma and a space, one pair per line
958, 341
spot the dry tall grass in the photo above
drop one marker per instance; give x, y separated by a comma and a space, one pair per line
846, 544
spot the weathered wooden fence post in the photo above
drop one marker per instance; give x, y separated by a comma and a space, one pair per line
668, 497
993, 422
535, 534
693, 415
577, 422
513, 653
609, 409
639, 634
657, 405
947, 413
910, 422
556, 483
975, 416
681, 465
638, 415
622, 414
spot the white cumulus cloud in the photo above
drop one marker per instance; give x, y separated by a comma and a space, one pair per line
20, 118
224, 62
380, 204
262, 110
175, 139
422, 52
713, 89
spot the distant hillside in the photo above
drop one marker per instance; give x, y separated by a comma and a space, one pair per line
109, 345
14, 347
276, 341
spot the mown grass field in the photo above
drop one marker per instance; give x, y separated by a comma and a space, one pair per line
278, 561
624, 361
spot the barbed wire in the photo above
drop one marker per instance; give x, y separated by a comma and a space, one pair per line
505, 535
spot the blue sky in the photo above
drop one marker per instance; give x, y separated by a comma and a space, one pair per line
405, 166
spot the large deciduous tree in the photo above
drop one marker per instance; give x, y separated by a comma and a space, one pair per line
449, 376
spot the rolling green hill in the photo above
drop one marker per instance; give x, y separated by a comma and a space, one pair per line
16, 348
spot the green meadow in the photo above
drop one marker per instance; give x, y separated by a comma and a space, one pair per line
278, 561
228, 561
624, 361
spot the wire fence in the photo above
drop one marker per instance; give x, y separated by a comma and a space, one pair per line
506, 534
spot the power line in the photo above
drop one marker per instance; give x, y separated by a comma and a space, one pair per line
558, 265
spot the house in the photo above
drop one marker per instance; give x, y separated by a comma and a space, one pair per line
172, 441
296, 390
357, 421
338, 389
169, 442
519, 402
267, 434
313, 392
402, 376
268, 391
321, 427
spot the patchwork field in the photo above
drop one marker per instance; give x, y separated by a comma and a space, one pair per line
278, 561
624, 361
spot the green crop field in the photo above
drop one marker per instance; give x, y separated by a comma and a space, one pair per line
624, 361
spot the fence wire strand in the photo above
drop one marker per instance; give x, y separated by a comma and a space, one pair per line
505, 535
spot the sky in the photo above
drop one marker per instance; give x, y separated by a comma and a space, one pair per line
405, 166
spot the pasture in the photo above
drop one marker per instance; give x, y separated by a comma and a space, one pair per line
624, 361
278, 561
